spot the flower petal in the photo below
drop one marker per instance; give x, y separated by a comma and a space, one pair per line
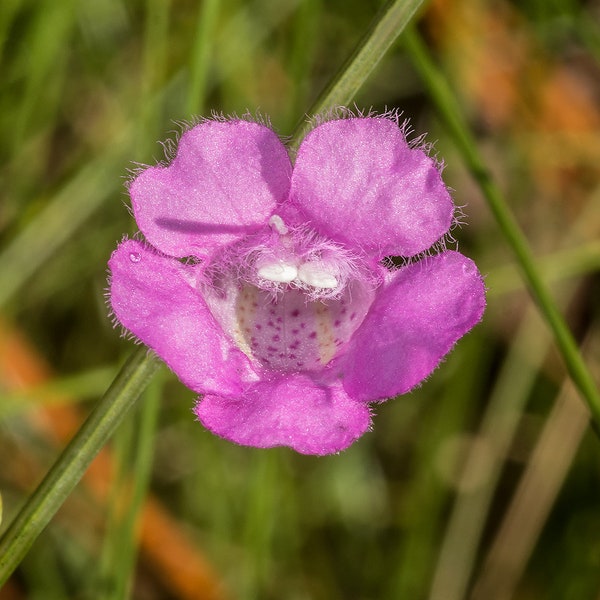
412, 324
224, 182
292, 410
151, 297
358, 181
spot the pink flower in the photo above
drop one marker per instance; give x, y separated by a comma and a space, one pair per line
262, 285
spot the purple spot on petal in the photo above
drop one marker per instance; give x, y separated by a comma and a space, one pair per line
275, 338
313, 335
295, 313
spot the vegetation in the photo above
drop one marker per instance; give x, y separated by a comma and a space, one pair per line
482, 484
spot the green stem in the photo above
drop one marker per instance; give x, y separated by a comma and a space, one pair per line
385, 29
201, 56
448, 109
74, 460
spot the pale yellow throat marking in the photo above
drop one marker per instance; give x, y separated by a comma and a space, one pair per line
325, 333
245, 311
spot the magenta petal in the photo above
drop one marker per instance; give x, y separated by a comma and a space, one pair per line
412, 325
358, 181
151, 297
292, 411
224, 182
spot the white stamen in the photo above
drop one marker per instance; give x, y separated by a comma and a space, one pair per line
276, 222
316, 275
280, 272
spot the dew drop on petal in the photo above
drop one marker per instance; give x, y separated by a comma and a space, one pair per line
134, 257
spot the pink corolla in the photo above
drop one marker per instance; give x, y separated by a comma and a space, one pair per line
263, 283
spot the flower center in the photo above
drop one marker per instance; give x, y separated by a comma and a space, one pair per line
288, 259
290, 300
289, 332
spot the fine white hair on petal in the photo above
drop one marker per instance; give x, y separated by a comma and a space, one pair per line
317, 275
272, 263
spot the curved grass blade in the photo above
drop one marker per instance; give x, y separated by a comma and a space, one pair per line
70, 466
384, 31
449, 111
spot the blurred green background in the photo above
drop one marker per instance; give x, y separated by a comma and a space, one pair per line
484, 483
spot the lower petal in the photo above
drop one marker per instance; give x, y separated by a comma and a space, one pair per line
412, 324
150, 297
292, 411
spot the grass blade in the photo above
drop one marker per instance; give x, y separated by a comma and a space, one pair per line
385, 29
449, 111
72, 463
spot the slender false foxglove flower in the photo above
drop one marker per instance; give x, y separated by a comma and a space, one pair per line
263, 284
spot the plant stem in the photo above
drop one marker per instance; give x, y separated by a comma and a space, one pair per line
448, 109
74, 460
385, 29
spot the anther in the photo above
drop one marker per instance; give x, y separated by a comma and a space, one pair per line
315, 275
279, 272
276, 223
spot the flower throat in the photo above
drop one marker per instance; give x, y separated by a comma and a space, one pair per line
290, 299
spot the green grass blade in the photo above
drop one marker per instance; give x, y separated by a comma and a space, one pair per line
450, 112
458, 550
302, 55
42, 237
72, 463
427, 495
134, 453
387, 26
260, 524
153, 76
201, 56
514, 387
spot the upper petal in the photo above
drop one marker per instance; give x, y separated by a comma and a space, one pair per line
151, 297
291, 410
412, 324
358, 181
224, 182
